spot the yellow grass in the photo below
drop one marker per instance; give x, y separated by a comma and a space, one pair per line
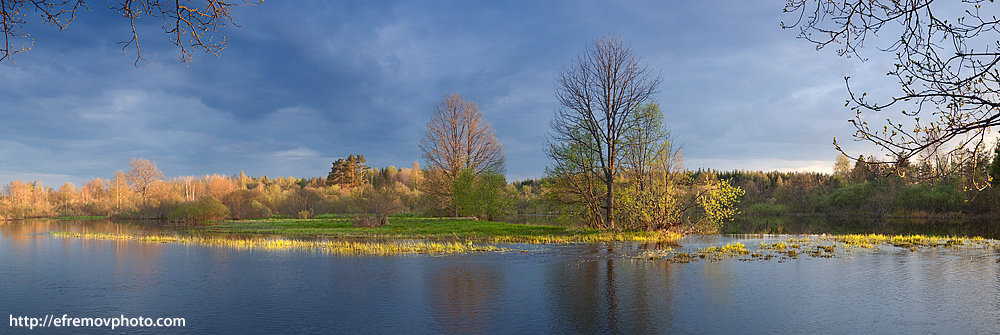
654, 237
326, 246
873, 241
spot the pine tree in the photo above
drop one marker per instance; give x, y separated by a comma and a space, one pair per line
348, 173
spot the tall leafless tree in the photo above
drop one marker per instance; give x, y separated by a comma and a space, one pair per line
141, 175
186, 24
598, 96
458, 138
946, 64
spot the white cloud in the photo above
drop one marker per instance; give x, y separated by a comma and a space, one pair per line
297, 153
763, 164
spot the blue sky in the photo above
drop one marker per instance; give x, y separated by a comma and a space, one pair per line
305, 82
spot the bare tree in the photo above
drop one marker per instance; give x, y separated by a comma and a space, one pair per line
122, 195
946, 64
186, 24
598, 97
458, 138
141, 175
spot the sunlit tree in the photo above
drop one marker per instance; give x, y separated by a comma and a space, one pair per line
457, 139
141, 175
348, 173
598, 97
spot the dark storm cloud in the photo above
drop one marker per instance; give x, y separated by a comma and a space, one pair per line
305, 82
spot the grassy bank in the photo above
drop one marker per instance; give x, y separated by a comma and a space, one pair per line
415, 235
410, 235
429, 229
404, 235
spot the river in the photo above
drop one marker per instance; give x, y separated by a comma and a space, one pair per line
560, 289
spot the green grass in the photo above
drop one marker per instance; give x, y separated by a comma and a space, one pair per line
404, 235
429, 229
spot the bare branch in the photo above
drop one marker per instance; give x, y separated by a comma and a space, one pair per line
598, 96
946, 67
186, 24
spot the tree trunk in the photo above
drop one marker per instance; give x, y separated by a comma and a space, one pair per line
610, 200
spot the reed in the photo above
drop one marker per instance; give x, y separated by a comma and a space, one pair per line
341, 247
874, 241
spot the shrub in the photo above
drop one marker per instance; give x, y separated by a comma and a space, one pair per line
160, 210
482, 196
246, 204
303, 199
377, 205
766, 209
719, 204
653, 208
930, 198
856, 197
204, 209
371, 221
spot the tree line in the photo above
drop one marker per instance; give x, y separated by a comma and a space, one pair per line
918, 187
142, 192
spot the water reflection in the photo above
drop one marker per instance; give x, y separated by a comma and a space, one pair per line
585, 288
985, 227
608, 294
465, 297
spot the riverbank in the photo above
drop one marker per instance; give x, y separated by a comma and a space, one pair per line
404, 235
438, 229
416, 235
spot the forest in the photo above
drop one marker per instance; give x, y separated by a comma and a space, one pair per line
956, 183
354, 188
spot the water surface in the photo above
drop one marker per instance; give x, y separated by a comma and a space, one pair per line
586, 288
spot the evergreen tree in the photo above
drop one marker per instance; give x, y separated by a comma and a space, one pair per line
994, 169
348, 173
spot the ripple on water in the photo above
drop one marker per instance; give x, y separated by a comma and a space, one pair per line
577, 288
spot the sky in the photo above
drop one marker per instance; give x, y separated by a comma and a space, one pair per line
302, 83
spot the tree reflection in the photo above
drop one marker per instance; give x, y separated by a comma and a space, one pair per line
610, 294
465, 298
